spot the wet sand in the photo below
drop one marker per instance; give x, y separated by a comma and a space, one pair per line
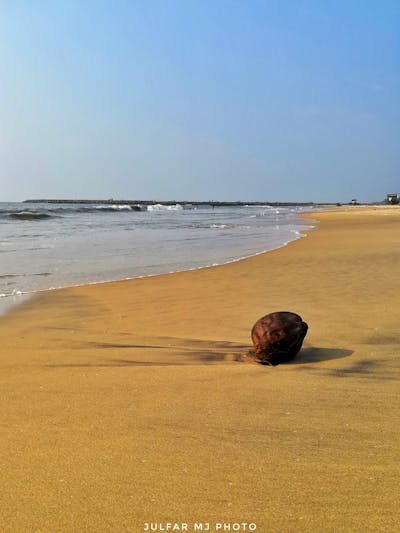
124, 403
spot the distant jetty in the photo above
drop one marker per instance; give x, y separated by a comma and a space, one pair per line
211, 203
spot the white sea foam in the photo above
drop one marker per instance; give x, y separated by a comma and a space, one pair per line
162, 207
113, 207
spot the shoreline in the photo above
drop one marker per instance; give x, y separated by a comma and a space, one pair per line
7, 305
10, 301
124, 404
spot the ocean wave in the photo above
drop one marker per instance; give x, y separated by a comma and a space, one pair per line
229, 226
212, 226
267, 213
162, 207
116, 207
48, 212
29, 215
6, 276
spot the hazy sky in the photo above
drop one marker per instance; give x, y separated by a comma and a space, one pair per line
203, 100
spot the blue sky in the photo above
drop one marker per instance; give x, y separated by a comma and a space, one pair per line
200, 100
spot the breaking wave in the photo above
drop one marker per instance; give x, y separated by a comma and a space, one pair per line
29, 215
162, 207
117, 207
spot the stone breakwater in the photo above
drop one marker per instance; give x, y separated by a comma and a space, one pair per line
211, 203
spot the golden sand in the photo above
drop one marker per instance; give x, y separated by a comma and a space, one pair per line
123, 403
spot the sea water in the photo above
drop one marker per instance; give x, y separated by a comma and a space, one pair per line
47, 246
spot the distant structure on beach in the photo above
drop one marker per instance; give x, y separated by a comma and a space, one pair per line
393, 199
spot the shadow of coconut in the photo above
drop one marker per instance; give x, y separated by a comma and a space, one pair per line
317, 355
169, 351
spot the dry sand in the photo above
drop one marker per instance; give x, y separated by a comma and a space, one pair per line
123, 403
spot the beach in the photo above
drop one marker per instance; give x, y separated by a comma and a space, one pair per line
126, 403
